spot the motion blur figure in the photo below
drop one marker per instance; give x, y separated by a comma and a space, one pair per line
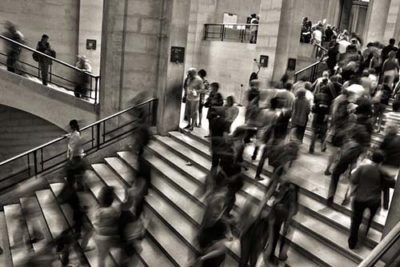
83, 79
284, 207
213, 233
13, 50
105, 224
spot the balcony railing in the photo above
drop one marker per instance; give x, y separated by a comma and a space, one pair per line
245, 33
313, 71
52, 155
61, 74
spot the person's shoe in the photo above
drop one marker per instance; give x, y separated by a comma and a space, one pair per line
283, 257
345, 201
311, 151
187, 127
253, 157
207, 136
329, 201
323, 149
189, 163
197, 125
352, 245
327, 173
259, 178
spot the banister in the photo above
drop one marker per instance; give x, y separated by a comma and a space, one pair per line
65, 136
47, 56
382, 247
233, 24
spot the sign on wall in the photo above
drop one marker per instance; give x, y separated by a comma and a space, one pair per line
177, 54
91, 44
264, 61
291, 66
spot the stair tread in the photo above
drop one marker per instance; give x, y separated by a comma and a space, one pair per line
54, 217
311, 183
67, 211
16, 225
251, 188
5, 258
331, 257
35, 220
336, 217
95, 184
110, 178
123, 170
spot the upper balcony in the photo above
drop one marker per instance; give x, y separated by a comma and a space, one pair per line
244, 33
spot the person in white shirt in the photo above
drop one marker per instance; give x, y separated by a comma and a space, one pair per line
75, 148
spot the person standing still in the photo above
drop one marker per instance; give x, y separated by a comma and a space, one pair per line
44, 62
195, 86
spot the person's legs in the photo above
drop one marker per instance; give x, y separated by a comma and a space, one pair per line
373, 207
339, 169
188, 107
356, 219
193, 113
331, 160
313, 140
44, 70
261, 163
103, 247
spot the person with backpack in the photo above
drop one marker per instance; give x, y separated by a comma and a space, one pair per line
320, 110
301, 110
349, 154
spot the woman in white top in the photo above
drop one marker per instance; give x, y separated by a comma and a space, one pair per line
75, 149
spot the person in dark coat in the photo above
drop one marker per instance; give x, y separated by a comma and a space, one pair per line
301, 110
370, 181
44, 62
13, 50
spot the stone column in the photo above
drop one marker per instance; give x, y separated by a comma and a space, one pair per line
392, 21
267, 40
169, 90
90, 24
376, 21
111, 56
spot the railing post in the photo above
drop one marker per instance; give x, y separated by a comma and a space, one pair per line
205, 31
98, 136
95, 89
35, 162
222, 32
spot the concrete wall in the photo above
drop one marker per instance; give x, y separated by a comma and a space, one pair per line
90, 24
130, 56
21, 131
57, 18
49, 104
241, 8
230, 64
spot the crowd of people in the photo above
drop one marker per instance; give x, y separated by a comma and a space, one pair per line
346, 106
13, 51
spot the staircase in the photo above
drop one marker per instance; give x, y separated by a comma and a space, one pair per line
320, 232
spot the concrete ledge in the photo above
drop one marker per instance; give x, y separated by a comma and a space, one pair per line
54, 106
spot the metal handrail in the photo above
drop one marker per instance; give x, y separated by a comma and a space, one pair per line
383, 246
65, 136
233, 24
47, 56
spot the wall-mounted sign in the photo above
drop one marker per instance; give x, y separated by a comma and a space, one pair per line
264, 61
291, 65
177, 54
91, 44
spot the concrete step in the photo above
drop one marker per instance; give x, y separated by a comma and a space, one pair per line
5, 258
317, 233
314, 186
35, 221
158, 233
18, 234
56, 221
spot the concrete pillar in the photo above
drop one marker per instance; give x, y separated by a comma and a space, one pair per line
169, 91
346, 6
268, 33
392, 19
376, 20
111, 56
90, 24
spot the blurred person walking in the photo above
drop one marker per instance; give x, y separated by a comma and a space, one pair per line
369, 181
301, 111
203, 74
13, 51
83, 83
